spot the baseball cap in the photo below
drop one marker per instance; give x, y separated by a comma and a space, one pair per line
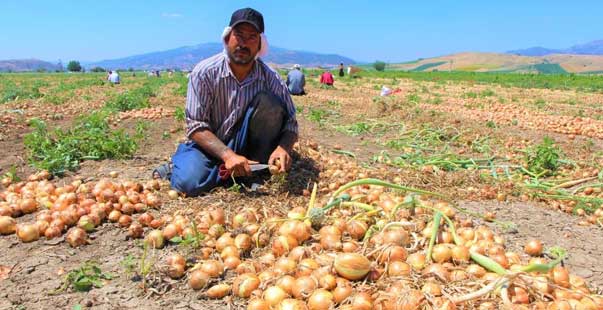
248, 15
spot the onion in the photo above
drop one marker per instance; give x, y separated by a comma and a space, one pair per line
175, 271
286, 283
170, 231
114, 216
560, 276
7, 225
297, 229
76, 237
352, 266
85, 223
292, 304
243, 242
27, 232
441, 253
52, 232
218, 291
357, 229
155, 223
285, 265
28, 206
224, 241
273, 295
393, 253
198, 279
460, 254
533, 247
135, 231
125, 220
320, 300
328, 282
173, 194
213, 268
145, 219
341, 292
396, 237
231, 262
476, 270
154, 239
230, 250
362, 301
432, 288
437, 270
258, 304
303, 287
397, 269
244, 284
42, 226
416, 260
283, 244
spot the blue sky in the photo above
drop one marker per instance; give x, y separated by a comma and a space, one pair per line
89, 30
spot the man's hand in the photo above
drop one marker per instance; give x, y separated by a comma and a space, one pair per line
283, 156
237, 164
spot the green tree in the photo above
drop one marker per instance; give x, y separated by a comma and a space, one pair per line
74, 66
379, 65
98, 69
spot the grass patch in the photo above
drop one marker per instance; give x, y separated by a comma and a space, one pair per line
90, 137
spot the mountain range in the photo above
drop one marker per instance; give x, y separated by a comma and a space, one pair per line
187, 57
590, 48
17, 65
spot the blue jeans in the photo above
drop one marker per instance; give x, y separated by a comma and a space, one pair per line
195, 172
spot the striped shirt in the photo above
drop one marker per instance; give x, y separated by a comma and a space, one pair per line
216, 100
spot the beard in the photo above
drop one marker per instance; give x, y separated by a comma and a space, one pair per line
241, 55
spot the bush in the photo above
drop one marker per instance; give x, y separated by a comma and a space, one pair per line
74, 66
89, 138
98, 69
379, 65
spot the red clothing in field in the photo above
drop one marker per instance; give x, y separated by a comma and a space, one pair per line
326, 78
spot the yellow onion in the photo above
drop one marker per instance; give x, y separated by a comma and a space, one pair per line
76, 237
416, 260
198, 279
213, 268
303, 287
357, 229
232, 262
298, 229
341, 292
27, 232
533, 247
135, 230
155, 239
28, 206
460, 254
274, 295
245, 284
218, 291
283, 244
352, 266
85, 223
7, 225
320, 299
52, 232
560, 276
441, 253
393, 253
362, 301
258, 304
114, 216
437, 270
397, 269
286, 283
243, 242
292, 304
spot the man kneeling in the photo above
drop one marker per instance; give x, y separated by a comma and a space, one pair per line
238, 111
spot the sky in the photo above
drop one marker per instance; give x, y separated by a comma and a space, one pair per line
365, 31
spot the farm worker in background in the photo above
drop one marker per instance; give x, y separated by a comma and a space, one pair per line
109, 75
341, 69
296, 81
238, 112
326, 78
114, 77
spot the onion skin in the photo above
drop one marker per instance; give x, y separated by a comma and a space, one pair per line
352, 266
7, 225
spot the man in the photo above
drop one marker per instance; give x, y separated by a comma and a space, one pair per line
114, 77
238, 112
326, 78
296, 81
341, 69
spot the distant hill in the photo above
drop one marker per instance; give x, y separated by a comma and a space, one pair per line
19, 65
495, 62
590, 48
187, 57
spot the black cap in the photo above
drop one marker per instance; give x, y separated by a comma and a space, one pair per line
248, 15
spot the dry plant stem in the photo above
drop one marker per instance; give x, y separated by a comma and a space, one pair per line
573, 183
484, 290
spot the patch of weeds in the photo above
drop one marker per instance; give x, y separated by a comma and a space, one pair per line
333, 103
543, 159
514, 122
318, 115
179, 114
84, 278
182, 88
355, 129
137, 98
540, 103
10, 91
413, 98
491, 124
471, 95
90, 137
165, 135
436, 100
193, 240
487, 93
129, 265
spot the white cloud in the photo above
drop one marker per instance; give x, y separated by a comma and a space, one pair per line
171, 15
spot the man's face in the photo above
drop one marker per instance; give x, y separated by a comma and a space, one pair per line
243, 44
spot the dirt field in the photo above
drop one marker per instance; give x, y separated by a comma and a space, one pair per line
349, 123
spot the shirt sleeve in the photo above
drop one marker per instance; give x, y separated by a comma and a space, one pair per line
278, 88
197, 105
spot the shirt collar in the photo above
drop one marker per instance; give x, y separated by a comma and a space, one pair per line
253, 75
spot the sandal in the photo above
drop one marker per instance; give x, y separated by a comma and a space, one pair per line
163, 172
